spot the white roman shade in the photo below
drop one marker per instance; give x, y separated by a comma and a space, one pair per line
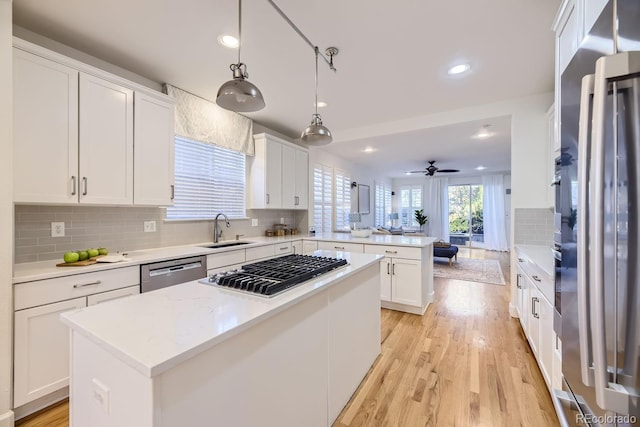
201, 120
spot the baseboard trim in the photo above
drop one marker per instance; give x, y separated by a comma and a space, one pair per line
6, 419
513, 311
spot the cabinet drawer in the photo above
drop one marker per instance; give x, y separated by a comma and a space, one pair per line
283, 248
41, 292
394, 251
225, 258
224, 269
341, 246
261, 252
111, 295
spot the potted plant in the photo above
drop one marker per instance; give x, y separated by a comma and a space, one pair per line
421, 218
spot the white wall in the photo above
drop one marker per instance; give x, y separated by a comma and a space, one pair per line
6, 214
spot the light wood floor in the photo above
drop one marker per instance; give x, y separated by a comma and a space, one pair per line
464, 363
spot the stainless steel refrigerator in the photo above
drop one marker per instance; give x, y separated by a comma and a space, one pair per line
597, 280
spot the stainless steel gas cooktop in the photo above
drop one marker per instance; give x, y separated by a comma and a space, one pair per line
273, 276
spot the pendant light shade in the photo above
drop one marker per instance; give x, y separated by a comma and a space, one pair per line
239, 94
316, 133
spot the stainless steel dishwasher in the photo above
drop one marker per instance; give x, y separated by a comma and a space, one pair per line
168, 273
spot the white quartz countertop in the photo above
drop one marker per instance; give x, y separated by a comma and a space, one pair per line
377, 239
539, 255
29, 272
155, 331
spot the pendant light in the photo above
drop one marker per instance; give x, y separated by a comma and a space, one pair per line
239, 94
316, 133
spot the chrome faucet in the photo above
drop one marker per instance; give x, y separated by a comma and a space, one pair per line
217, 231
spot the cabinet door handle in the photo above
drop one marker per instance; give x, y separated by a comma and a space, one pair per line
536, 278
393, 269
339, 247
267, 198
97, 282
518, 285
388, 268
173, 191
534, 313
73, 185
86, 187
390, 252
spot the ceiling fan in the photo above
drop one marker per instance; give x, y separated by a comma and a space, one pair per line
431, 169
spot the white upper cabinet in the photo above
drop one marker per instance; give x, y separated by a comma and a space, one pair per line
591, 9
45, 130
278, 175
154, 149
295, 178
74, 134
106, 142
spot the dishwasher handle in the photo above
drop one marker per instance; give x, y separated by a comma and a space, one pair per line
172, 269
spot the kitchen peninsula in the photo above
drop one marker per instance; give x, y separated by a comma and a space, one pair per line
406, 272
194, 354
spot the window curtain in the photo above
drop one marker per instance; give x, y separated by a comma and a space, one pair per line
495, 235
201, 120
436, 207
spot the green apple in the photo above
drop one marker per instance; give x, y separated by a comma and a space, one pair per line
83, 255
71, 256
93, 252
103, 251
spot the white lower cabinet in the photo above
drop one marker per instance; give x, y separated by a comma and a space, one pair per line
309, 246
41, 362
340, 246
296, 247
406, 277
41, 340
397, 283
536, 315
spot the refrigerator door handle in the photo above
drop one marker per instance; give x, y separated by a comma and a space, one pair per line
584, 155
609, 396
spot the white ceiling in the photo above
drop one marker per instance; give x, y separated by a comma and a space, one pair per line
391, 66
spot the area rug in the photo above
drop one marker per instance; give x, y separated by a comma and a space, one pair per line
470, 269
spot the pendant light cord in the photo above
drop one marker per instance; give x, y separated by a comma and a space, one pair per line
239, 29
316, 51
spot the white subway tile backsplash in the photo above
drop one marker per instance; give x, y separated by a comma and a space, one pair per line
533, 226
121, 229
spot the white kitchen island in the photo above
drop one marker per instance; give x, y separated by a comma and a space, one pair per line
195, 355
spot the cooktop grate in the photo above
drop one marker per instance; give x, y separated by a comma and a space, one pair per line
273, 276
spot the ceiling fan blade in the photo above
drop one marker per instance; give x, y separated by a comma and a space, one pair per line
448, 170
422, 171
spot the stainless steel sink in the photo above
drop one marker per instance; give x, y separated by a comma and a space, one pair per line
224, 245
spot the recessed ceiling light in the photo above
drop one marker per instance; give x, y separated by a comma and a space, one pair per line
369, 150
228, 41
481, 168
322, 104
483, 133
458, 69
407, 173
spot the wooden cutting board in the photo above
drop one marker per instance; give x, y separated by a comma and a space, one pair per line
79, 263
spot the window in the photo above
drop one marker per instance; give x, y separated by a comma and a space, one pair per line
382, 204
322, 198
410, 200
208, 180
342, 200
